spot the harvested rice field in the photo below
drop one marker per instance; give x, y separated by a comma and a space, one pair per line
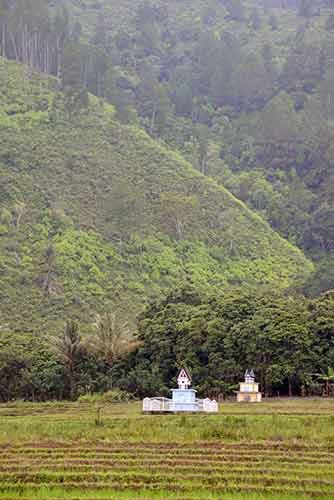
281, 449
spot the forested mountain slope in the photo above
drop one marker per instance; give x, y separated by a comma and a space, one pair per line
243, 88
95, 214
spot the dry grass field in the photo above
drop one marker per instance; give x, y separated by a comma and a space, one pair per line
280, 449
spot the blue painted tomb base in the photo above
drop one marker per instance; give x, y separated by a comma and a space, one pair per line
184, 400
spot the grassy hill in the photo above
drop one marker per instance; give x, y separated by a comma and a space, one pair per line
95, 214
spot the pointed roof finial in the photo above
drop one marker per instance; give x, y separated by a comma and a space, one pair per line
249, 376
184, 379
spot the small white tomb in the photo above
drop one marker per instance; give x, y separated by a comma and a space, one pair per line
183, 399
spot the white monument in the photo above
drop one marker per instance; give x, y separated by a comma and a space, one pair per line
183, 399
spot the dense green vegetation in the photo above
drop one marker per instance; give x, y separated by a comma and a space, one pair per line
95, 214
289, 341
242, 88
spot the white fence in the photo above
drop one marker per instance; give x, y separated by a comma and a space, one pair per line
207, 405
166, 405
156, 404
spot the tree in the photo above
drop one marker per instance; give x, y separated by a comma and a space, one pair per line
27, 368
208, 14
112, 337
323, 226
182, 97
323, 277
4, 13
276, 340
251, 82
153, 103
50, 255
278, 121
68, 347
165, 339
327, 377
61, 33
202, 134
19, 211
98, 68
322, 325
121, 98
73, 77
220, 81
305, 63
148, 28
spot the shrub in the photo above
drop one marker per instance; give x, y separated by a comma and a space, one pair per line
112, 396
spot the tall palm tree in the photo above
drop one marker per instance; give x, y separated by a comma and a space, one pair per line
112, 337
67, 347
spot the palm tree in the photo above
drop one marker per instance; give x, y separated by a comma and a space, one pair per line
112, 337
67, 347
327, 377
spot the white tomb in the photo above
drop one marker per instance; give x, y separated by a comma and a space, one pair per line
183, 399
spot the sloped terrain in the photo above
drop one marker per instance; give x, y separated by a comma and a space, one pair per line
95, 214
244, 89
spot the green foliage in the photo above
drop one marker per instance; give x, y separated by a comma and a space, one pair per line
289, 341
230, 68
28, 369
218, 337
97, 215
112, 337
112, 396
68, 348
169, 65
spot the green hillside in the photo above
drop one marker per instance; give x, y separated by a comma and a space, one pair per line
95, 214
242, 88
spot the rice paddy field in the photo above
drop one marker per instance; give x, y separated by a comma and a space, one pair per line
280, 449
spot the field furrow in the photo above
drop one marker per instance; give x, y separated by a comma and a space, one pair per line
99, 462
107, 467
176, 488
